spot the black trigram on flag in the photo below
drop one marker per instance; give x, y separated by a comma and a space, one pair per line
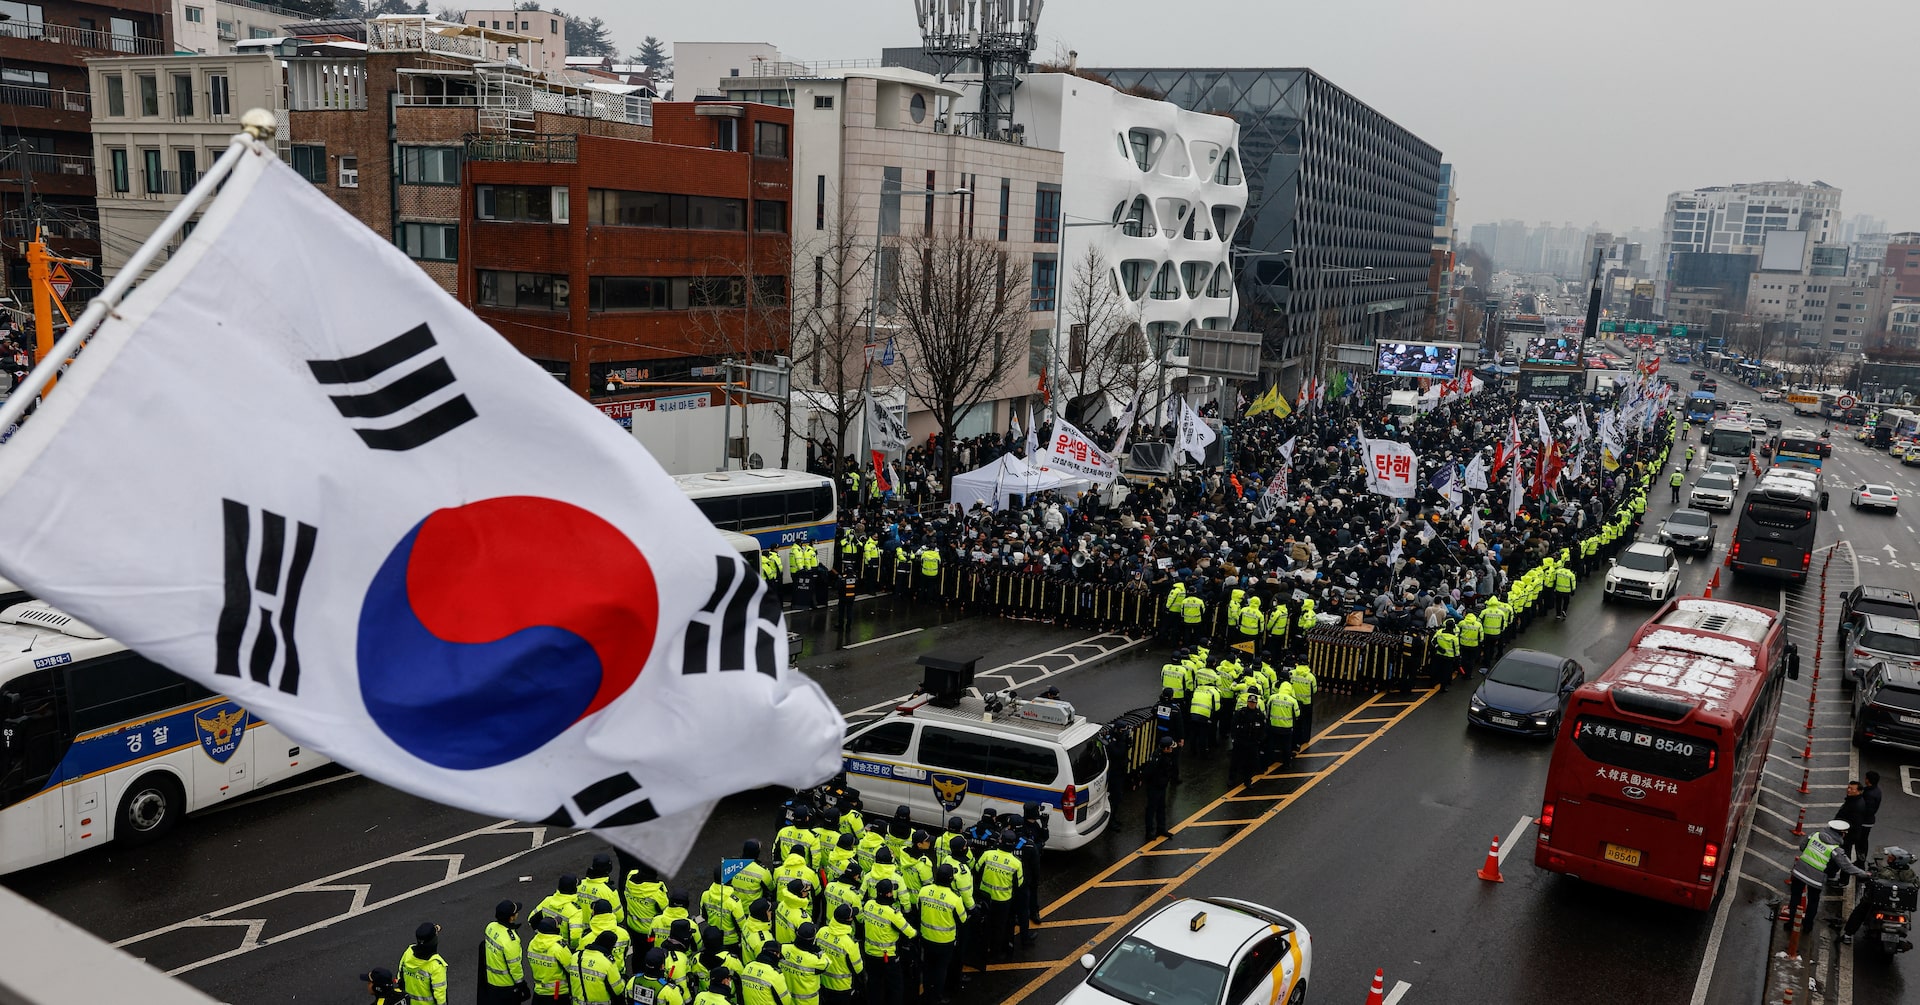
751, 612
615, 795
256, 629
404, 391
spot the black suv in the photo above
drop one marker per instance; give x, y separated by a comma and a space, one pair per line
1875, 600
1696, 375
1886, 706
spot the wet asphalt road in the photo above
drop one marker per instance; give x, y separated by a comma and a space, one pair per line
1373, 844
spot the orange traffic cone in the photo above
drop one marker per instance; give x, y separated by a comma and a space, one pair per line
1379, 993
1714, 583
1491, 871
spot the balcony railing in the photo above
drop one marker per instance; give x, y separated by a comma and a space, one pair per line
59, 99
160, 183
44, 163
558, 148
85, 38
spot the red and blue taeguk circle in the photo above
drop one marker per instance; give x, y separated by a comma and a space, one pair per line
493, 627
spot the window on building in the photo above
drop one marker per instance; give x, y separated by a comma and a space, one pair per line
188, 162
197, 15
218, 103
1039, 349
155, 179
1046, 214
1006, 205
520, 203
553, 26
225, 28
117, 157
770, 139
116, 94
819, 278
259, 33
890, 182
926, 214
823, 101
429, 242
769, 216
183, 95
149, 93
21, 20
524, 290
1046, 273
429, 165
636, 293
310, 160
770, 291
820, 203
614, 208
349, 172
716, 292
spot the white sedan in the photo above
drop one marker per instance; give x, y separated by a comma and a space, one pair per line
1213, 951
1876, 497
1769, 395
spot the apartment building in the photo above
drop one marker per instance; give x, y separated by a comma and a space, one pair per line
159, 122
49, 180
616, 262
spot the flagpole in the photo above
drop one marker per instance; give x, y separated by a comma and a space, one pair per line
256, 124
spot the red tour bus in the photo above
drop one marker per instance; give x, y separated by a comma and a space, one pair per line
1659, 757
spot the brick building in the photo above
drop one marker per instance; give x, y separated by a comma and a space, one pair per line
614, 261
43, 86
449, 89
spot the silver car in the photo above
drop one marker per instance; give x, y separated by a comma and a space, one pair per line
1714, 492
1881, 639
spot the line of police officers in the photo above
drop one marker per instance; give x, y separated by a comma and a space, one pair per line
849, 908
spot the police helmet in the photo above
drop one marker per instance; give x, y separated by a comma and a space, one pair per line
1899, 857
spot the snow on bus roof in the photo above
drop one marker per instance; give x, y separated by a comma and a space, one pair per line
1727, 610
1699, 676
1696, 644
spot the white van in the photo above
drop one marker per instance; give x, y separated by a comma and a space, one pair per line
960, 756
1404, 403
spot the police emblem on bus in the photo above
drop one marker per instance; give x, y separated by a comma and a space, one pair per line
950, 790
220, 728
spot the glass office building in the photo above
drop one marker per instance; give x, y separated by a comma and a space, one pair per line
1337, 241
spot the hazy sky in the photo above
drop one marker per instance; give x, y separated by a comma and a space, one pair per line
1548, 109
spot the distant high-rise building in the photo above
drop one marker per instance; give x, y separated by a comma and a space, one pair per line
1735, 219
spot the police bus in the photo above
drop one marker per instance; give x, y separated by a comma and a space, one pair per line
1777, 525
779, 508
99, 744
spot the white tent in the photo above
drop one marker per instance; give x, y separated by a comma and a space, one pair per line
1007, 476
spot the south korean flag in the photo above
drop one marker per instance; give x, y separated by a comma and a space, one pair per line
291, 468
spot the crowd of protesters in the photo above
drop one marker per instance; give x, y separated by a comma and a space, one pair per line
1332, 546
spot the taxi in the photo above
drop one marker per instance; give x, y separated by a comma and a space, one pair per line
1210, 951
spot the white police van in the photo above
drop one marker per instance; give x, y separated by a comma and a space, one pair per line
958, 753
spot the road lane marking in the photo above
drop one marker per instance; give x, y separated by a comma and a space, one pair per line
1210, 854
1400, 988
1512, 836
1107, 644
884, 638
229, 917
261, 797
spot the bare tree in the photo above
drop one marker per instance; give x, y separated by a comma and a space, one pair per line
734, 313
962, 306
1106, 353
830, 321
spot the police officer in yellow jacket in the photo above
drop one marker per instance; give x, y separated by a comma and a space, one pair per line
1564, 582
423, 973
597, 973
942, 912
802, 965
550, 963
504, 979
884, 932
1304, 686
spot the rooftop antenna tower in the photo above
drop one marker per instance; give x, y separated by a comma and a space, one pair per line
997, 37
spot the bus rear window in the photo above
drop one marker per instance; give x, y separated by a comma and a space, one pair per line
1642, 749
1782, 517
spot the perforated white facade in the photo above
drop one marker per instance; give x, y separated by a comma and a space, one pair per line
1158, 191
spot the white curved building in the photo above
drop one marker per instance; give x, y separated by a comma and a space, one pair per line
1158, 190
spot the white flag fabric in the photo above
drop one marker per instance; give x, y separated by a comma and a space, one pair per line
1474, 523
1546, 431
1514, 494
1033, 432
1477, 473
1075, 453
1195, 435
1270, 500
885, 432
1392, 468
1286, 450
1126, 425
370, 521
1399, 549
1449, 486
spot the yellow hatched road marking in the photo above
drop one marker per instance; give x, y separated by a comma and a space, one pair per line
1208, 855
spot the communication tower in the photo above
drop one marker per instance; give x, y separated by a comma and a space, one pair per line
994, 37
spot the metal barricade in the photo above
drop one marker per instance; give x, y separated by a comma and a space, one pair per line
1130, 745
1346, 661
